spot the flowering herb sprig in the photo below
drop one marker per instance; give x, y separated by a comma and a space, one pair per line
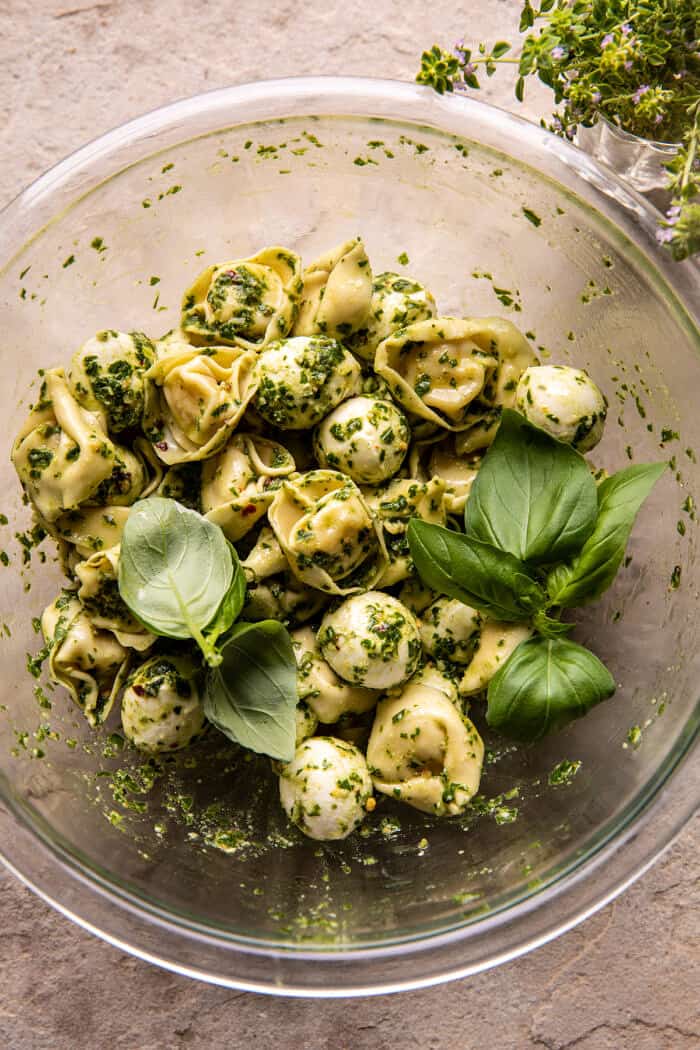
634, 62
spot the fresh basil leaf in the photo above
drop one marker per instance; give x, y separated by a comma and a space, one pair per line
228, 610
251, 696
473, 572
595, 567
533, 496
175, 568
544, 684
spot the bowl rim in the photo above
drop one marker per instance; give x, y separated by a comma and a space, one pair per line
604, 871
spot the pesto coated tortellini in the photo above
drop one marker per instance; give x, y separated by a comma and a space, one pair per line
495, 643
62, 454
245, 303
436, 369
438, 459
90, 663
199, 399
337, 292
328, 696
367, 438
423, 750
239, 483
327, 532
91, 529
161, 708
515, 355
100, 598
393, 505
396, 302
108, 373
299, 380
326, 788
371, 639
282, 597
454, 372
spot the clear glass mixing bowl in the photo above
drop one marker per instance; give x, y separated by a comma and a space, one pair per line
189, 863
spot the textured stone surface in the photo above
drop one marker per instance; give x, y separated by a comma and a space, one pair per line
69, 70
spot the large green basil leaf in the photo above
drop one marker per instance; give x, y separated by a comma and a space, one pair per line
473, 572
175, 568
544, 684
251, 696
533, 496
595, 567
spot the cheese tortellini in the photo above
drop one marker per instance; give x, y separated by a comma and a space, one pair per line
565, 402
108, 373
371, 639
367, 438
311, 414
300, 380
199, 399
396, 303
90, 663
161, 708
239, 483
100, 598
327, 532
62, 454
495, 643
423, 749
337, 292
326, 788
393, 505
245, 303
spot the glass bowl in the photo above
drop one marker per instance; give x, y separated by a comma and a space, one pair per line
188, 862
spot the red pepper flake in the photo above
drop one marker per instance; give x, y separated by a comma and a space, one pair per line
250, 508
162, 445
139, 690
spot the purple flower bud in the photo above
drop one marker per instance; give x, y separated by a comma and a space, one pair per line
556, 124
625, 29
596, 96
607, 39
628, 65
664, 235
642, 90
469, 69
558, 52
674, 211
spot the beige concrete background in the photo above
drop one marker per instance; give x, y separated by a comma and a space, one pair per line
628, 978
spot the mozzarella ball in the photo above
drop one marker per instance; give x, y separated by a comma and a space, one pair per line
324, 790
371, 639
565, 402
327, 695
396, 302
448, 629
365, 438
161, 709
301, 379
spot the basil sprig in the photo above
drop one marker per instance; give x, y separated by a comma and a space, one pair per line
540, 537
251, 696
179, 575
